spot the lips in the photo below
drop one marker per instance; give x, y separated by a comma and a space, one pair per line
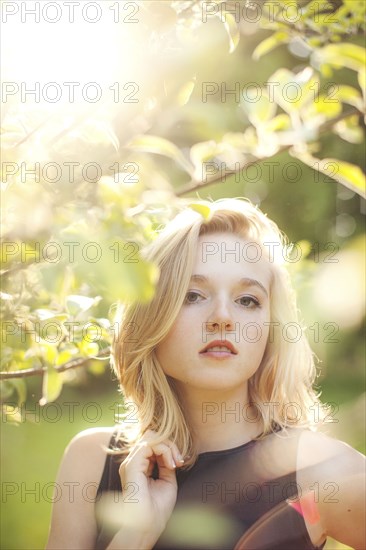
219, 346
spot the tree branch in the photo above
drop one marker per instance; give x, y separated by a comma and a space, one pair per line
195, 185
74, 363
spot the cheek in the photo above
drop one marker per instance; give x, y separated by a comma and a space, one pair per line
254, 334
266, 326
171, 344
262, 328
182, 328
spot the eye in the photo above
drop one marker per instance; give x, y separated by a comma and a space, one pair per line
193, 297
249, 302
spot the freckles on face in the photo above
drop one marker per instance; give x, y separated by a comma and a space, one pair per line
219, 337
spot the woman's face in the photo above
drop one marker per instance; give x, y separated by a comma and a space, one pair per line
220, 334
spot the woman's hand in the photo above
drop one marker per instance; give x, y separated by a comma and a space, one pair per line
148, 503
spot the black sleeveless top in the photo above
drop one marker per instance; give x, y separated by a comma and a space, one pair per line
233, 499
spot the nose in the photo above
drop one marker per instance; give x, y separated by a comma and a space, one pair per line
221, 315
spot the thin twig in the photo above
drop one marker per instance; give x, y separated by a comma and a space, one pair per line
195, 185
74, 363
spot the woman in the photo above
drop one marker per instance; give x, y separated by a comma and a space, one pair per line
216, 451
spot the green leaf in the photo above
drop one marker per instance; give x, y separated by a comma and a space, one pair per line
238, 141
21, 389
160, 146
51, 386
270, 43
342, 55
88, 348
76, 304
349, 130
185, 92
279, 122
359, 5
292, 91
204, 151
50, 323
65, 356
121, 190
321, 110
347, 174
261, 110
49, 352
97, 367
48, 314
11, 414
203, 209
348, 94
232, 29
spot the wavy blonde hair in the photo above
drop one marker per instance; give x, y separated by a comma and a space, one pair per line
287, 371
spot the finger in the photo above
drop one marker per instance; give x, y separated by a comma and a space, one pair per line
144, 455
165, 474
177, 456
178, 459
163, 448
141, 458
137, 462
164, 451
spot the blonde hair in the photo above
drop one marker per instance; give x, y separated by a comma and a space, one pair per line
287, 371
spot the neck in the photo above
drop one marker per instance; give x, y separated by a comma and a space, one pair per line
220, 419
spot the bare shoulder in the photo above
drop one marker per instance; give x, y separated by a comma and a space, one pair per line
333, 474
85, 455
77, 484
325, 455
93, 441
324, 442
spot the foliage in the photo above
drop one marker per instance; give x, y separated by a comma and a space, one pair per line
106, 175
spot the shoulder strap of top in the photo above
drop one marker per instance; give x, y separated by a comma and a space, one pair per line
107, 482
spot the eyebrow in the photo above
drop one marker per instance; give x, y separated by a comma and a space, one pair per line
245, 281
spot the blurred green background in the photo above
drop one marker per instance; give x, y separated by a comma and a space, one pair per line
170, 58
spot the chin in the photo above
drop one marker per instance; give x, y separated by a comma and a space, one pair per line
216, 382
